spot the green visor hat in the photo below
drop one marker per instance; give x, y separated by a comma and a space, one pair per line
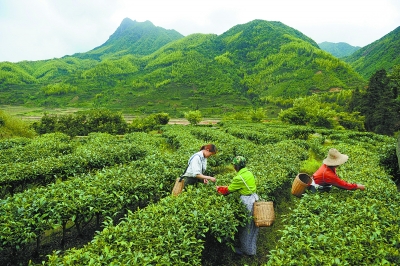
239, 161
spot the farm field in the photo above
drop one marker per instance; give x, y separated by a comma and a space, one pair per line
121, 185
35, 114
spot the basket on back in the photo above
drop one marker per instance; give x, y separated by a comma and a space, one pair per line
264, 214
300, 184
178, 187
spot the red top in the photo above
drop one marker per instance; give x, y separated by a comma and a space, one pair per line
326, 176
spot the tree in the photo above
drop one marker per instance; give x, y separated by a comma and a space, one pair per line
194, 117
310, 111
151, 122
379, 107
395, 80
257, 115
398, 150
316, 111
82, 123
356, 100
47, 124
161, 118
11, 126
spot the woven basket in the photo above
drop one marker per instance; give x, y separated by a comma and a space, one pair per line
300, 183
178, 187
264, 214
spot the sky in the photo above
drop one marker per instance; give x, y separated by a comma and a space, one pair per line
45, 29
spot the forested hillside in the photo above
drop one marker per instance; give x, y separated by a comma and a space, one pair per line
381, 54
339, 50
143, 68
132, 37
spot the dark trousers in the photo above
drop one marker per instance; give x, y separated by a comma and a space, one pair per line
191, 180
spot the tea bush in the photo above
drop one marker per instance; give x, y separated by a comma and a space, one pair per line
336, 228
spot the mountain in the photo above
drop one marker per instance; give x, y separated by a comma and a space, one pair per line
143, 68
381, 54
281, 61
132, 37
339, 50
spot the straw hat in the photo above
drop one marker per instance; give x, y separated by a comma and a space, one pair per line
335, 158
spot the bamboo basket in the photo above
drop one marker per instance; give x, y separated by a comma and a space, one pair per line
264, 214
178, 187
300, 183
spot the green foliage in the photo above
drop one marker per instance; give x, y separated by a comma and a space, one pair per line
381, 54
314, 112
165, 59
378, 104
310, 166
132, 37
253, 115
257, 115
138, 171
99, 151
12, 74
54, 145
394, 76
166, 229
224, 59
141, 64
373, 213
13, 142
53, 69
11, 127
138, 84
352, 121
313, 69
339, 50
194, 117
279, 101
124, 65
58, 89
389, 158
236, 116
83, 123
149, 123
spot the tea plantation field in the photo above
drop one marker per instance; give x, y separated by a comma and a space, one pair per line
122, 185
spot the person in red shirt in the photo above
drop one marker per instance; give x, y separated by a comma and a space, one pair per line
325, 177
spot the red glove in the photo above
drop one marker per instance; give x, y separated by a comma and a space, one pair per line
222, 190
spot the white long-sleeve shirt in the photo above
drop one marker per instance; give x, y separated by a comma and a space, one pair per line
197, 164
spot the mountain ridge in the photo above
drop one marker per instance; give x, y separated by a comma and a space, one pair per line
340, 49
130, 70
383, 53
132, 37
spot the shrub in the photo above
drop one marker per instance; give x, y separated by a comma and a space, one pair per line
83, 123
310, 166
314, 112
254, 115
14, 127
151, 122
194, 117
257, 115
161, 118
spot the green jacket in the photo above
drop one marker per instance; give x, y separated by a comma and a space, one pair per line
238, 184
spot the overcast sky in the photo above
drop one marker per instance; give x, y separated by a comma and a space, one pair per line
46, 29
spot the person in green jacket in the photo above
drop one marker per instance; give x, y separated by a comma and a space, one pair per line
245, 184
